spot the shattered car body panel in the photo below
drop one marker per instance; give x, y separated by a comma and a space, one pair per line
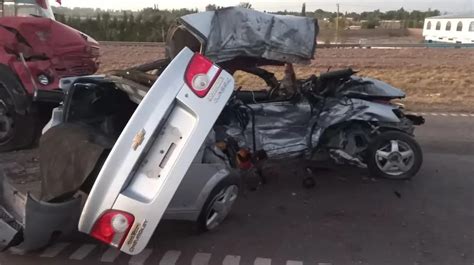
28, 223
363, 87
65, 170
48, 47
281, 128
286, 129
229, 33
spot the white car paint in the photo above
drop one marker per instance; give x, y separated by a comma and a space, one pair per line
154, 152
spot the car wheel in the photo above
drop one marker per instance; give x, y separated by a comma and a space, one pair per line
7, 123
16, 131
394, 155
219, 204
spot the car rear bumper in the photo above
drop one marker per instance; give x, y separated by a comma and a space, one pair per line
27, 224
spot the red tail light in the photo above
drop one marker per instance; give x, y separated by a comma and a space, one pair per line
201, 75
113, 227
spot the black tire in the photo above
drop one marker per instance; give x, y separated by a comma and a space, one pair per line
230, 180
17, 130
384, 139
24, 128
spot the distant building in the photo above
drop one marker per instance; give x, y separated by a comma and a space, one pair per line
450, 28
390, 24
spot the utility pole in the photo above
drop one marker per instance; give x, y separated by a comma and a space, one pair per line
2, 7
337, 23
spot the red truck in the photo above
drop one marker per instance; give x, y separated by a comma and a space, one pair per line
36, 51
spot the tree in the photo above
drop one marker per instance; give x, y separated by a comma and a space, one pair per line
211, 7
104, 27
433, 13
321, 14
245, 5
303, 10
402, 14
150, 23
372, 23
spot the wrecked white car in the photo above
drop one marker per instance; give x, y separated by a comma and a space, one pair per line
166, 139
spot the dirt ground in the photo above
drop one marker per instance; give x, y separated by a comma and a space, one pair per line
434, 79
372, 36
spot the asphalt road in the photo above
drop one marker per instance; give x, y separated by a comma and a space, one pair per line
348, 219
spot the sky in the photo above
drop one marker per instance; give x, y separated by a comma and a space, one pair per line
451, 6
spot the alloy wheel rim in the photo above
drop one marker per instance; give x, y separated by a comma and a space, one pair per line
221, 206
395, 158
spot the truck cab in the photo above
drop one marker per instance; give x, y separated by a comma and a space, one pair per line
36, 51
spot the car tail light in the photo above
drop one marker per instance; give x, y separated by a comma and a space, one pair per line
201, 75
113, 227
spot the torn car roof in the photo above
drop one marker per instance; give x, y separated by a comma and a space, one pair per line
240, 32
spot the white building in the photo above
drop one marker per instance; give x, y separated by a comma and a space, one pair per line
450, 28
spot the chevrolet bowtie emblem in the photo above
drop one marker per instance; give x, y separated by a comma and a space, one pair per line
138, 139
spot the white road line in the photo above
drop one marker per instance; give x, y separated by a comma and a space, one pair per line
54, 250
441, 114
201, 259
140, 258
231, 260
170, 257
82, 252
16, 251
110, 255
294, 262
262, 261
324, 263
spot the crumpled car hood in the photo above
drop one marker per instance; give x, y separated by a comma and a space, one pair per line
363, 87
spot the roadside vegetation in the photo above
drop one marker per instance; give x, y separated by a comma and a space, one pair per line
151, 24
